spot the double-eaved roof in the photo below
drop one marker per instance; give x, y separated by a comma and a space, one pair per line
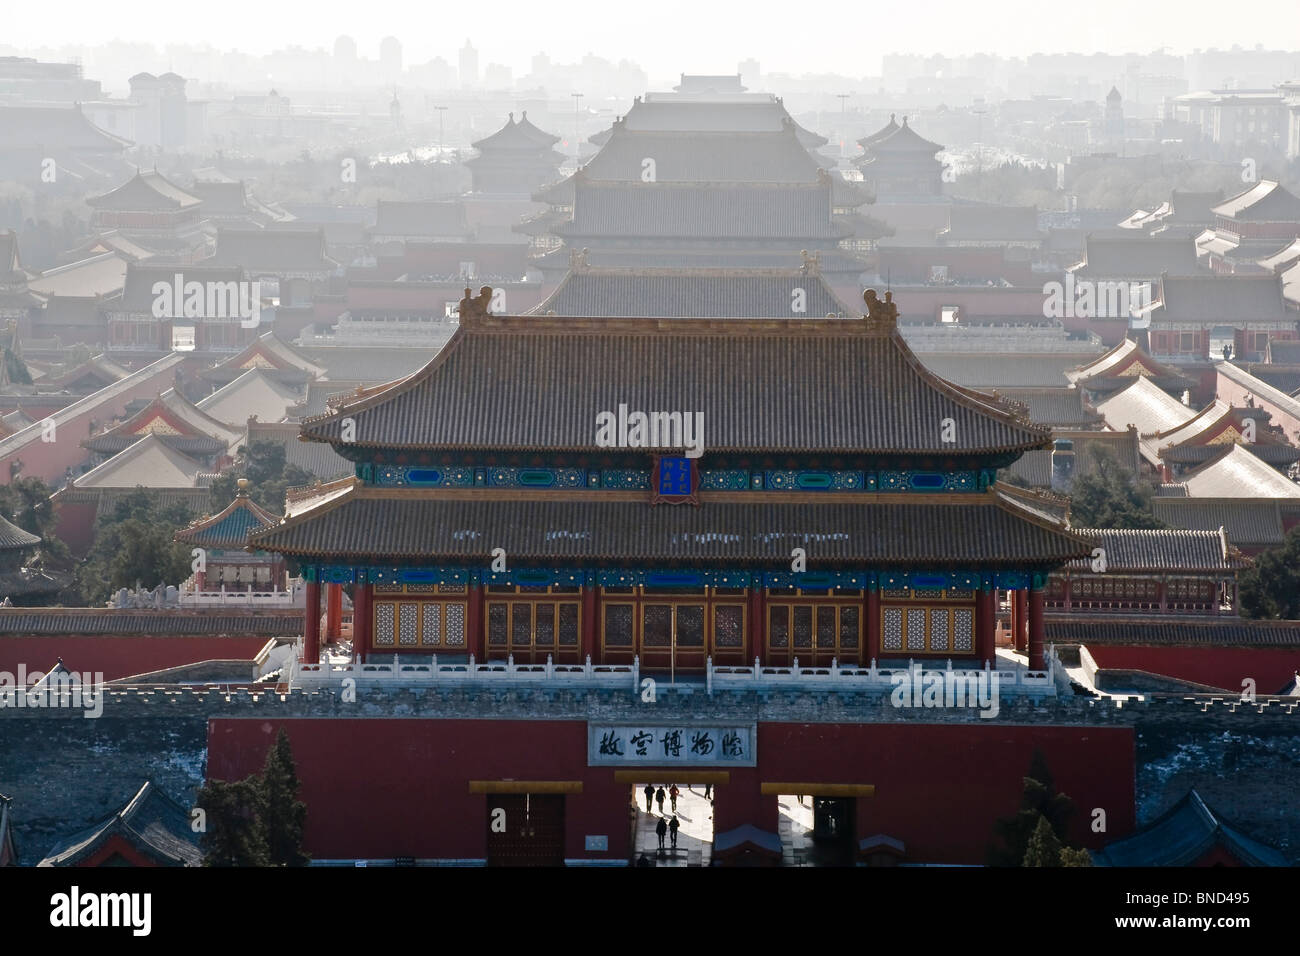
146, 191
817, 386
465, 525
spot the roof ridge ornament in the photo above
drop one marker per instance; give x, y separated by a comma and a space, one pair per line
476, 306
882, 316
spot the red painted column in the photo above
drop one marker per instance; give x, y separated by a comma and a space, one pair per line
475, 638
1036, 602
1022, 619
985, 626
757, 622
591, 623
311, 625
362, 621
333, 612
872, 649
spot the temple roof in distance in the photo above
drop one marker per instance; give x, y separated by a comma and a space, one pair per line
148, 462
1139, 551
1239, 474
231, 526
176, 420
268, 351
14, 538
256, 393
1126, 360
1146, 406
889, 129
519, 134
902, 141
533, 383
146, 191
1266, 201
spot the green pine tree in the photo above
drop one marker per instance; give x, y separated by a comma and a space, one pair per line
1271, 586
1108, 496
283, 814
1038, 800
1044, 848
234, 834
1072, 856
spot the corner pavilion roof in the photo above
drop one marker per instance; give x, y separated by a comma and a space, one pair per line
231, 526
811, 386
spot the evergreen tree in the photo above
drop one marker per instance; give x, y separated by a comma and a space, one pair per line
1044, 848
234, 834
1109, 497
1071, 856
1271, 586
1038, 801
283, 814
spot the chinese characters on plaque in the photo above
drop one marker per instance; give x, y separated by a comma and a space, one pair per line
664, 744
676, 481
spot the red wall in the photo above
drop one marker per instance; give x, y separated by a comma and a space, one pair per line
386, 788
1271, 668
118, 657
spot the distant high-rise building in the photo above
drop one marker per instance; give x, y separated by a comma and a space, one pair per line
468, 66
345, 48
750, 72
1114, 131
390, 57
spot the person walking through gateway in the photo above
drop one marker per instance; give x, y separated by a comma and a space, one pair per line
659, 798
708, 791
674, 793
674, 827
649, 795
661, 828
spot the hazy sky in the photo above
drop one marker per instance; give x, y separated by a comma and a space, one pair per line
668, 36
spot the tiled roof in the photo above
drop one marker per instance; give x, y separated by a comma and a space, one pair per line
255, 393
1138, 257
99, 275
741, 211
992, 222
703, 156
14, 538
435, 220
53, 128
988, 530
1004, 369
145, 191
673, 293
1145, 405
1221, 299
1059, 407
1239, 474
152, 823
1184, 834
149, 463
904, 140
176, 420
1163, 550
1260, 389
269, 351
164, 622
1277, 455
1082, 627
316, 458
366, 364
796, 384
1248, 522
137, 291
749, 114
261, 251
887, 130
1266, 201
521, 135
1035, 466
230, 527
684, 257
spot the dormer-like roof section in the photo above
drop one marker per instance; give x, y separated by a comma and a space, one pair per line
143, 192
229, 529
787, 385
269, 351
180, 424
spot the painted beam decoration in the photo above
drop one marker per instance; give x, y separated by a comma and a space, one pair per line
675, 745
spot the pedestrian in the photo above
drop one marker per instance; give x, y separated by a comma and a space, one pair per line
674, 827
661, 828
708, 791
659, 798
649, 795
674, 793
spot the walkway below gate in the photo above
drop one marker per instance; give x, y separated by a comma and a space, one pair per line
694, 838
